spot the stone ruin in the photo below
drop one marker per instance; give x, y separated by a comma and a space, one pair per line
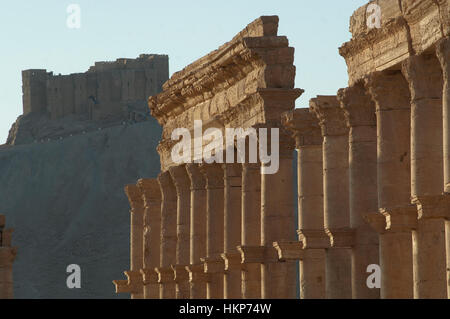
373, 171
108, 94
7, 256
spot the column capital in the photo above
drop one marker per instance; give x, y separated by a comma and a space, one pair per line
359, 109
313, 238
341, 237
289, 251
180, 179
197, 273
198, 181
432, 206
168, 191
165, 275
424, 75
150, 190
389, 90
331, 117
134, 195
303, 126
400, 218
213, 174
443, 54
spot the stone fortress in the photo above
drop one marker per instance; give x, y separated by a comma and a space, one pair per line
107, 94
373, 171
63, 169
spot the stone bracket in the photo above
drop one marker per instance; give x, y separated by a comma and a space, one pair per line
213, 265
341, 238
400, 218
180, 273
232, 260
289, 251
133, 284
314, 238
433, 206
150, 276
257, 254
197, 273
165, 275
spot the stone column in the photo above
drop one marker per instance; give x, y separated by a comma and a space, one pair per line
182, 184
424, 76
390, 92
214, 264
443, 54
198, 237
7, 256
137, 239
251, 227
336, 195
232, 230
313, 240
152, 236
168, 257
359, 110
278, 222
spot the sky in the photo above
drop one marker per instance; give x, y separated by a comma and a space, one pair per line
35, 35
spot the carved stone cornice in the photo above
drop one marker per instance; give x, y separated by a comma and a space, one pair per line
303, 126
134, 195
359, 109
331, 117
389, 90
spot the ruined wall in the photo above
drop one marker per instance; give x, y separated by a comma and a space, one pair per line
102, 91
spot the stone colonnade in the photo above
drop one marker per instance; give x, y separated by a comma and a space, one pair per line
373, 183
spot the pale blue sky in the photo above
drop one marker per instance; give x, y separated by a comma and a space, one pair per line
34, 35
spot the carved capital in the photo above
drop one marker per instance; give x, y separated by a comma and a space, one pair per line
150, 190
443, 54
437, 206
359, 109
134, 195
214, 175
303, 126
168, 191
424, 76
331, 117
198, 181
389, 90
180, 179
289, 251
